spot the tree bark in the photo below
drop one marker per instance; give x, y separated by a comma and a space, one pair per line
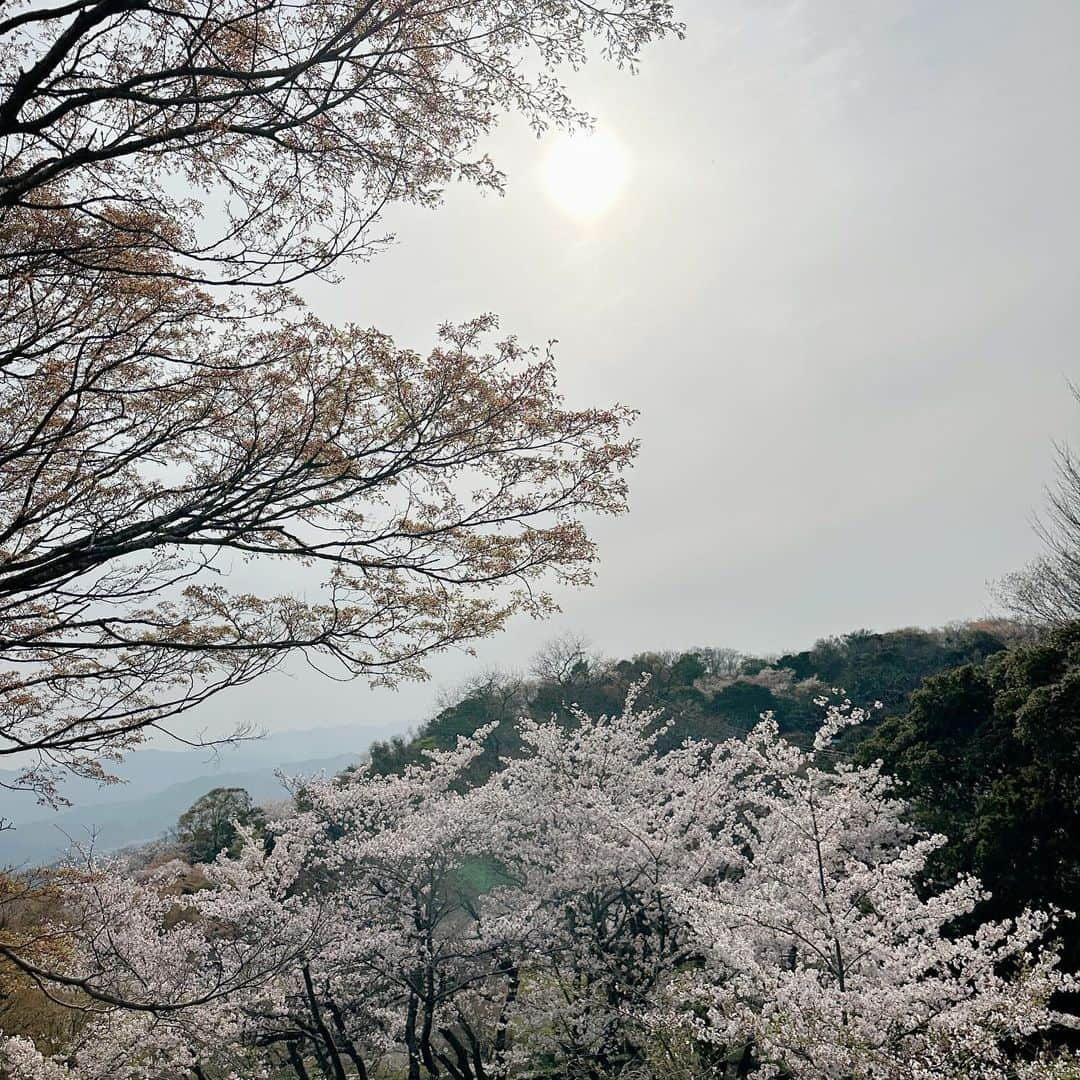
296, 1061
320, 1024
350, 1047
410, 1037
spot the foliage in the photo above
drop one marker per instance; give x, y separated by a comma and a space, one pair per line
708, 693
28, 905
166, 405
989, 754
745, 906
290, 125
212, 824
888, 667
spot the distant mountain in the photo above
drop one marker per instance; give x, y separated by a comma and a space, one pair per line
146, 771
159, 785
116, 825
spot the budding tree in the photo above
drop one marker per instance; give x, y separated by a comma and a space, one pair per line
280, 128
1047, 592
167, 410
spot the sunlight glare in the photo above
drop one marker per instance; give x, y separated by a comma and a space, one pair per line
585, 173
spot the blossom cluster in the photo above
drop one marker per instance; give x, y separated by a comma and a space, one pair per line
596, 908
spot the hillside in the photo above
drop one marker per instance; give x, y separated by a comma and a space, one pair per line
710, 693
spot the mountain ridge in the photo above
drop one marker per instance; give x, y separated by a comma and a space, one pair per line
158, 785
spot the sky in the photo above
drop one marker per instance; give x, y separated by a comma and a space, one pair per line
839, 281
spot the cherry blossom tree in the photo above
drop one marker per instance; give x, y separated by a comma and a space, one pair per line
751, 908
344, 935
825, 958
389, 857
602, 830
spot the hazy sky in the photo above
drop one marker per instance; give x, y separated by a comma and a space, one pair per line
840, 282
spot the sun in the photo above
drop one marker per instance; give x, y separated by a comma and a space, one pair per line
585, 173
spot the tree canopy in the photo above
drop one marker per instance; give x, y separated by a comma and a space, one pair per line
737, 910
176, 430
212, 824
258, 140
707, 693
989, 753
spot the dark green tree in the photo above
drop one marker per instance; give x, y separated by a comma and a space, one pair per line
742, 703
209, 825
692, 689
888, 666
990, 755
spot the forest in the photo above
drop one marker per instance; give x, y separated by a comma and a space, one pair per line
735, 872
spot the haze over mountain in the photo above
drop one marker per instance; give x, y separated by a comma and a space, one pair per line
158, 785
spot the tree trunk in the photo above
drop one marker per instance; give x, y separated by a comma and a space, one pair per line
325, 1034
430, 1063
410, 1038
502, 1027
350, 1047
462, 1070
297, 1062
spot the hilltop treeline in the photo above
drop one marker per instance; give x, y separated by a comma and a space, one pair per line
710, 693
